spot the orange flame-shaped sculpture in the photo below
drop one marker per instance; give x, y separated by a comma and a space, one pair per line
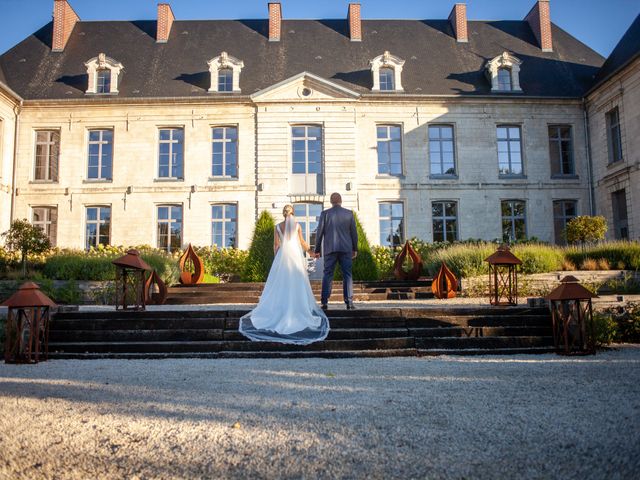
155, 290
188, 260
415, 271
445, 283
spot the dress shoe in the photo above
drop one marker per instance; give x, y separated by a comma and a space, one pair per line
324, 307
351, 306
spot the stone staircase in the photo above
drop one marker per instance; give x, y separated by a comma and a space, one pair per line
354, 333
212, 293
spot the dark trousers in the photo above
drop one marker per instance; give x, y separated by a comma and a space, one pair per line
346, 262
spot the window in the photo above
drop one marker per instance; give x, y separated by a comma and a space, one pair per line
306, 157
307, 216
441, 151
386, 72
391, 224
563, 211
103, 81
98, 227
47, 154
47, 219
389, 150
100, 154
514, 221
225, 151
614, 138
504, 79
224, 225
620, 219
386, 79
509, 150
104, 74
225, 80
169, 227
561, 150
170, 163
224, 72
503, 72
445, 221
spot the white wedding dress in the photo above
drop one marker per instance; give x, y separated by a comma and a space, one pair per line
287, 311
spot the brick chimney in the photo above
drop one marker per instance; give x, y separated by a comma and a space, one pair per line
64, 19
539, 19
275, 21
458, 19
355, 24
165, 21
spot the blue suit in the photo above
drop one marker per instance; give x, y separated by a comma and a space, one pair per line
337, 238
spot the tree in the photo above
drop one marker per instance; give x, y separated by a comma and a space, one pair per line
585, 228
26, 238
260, 256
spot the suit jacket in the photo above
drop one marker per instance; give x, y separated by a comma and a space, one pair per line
336, 231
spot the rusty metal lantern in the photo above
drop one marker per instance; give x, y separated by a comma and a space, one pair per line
27, 329
503, 276
130, 281
572, 317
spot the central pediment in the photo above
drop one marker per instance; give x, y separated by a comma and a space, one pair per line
305, 87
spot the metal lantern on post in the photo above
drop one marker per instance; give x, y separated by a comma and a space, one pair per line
27, 329
130, 281
503, 277
572, 317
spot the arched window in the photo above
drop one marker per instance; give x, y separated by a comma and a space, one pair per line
386, 70
503, 72
386, 79
225, 73
225, 80
504, 79
103, 73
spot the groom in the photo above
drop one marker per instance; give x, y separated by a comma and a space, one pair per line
337, 238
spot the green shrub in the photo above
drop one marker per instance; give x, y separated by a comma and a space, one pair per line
225, 263
364, 267
260, 255
464, 260
605, 329
584, 229
539, 258
384, 258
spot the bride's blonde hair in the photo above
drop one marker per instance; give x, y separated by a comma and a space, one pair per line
287, 210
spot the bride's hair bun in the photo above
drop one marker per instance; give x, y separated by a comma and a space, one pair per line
287, 210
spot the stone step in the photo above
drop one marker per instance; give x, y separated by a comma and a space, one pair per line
238, 346
458, 343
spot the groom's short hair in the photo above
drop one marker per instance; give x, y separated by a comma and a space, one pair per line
335, 199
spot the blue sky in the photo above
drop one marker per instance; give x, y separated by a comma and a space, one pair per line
598, 23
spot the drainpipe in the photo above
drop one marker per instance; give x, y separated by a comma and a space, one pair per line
587, 136
16, 112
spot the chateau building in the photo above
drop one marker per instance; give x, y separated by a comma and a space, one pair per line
167, 132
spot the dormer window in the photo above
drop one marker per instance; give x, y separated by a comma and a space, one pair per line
504, 79
504, 73
103, 73
225, 73
225, 80
386, 70
103, 83
386, 79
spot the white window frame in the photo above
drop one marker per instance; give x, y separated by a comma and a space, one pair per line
52, 233
98, 222
557, 144
440, 140
169, 221
224, 141
404, 219
387, 60
100, 143
504, 61
444, 218
508, 140
102, 62
513, 218
171, 142
224, 221
49, 143
225, 61
388, 141
564, 218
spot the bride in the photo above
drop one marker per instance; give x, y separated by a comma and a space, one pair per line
287, 311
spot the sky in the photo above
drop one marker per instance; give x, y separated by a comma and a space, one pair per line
598, 23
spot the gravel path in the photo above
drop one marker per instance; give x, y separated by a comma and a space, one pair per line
445, 417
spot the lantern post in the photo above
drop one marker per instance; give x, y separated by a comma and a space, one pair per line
27, 330
572, 317
503, 277
130, 281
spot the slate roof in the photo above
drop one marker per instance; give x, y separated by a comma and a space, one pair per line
627, 50
435, 63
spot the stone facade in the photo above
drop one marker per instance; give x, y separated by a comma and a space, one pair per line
622, 91
8, 113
